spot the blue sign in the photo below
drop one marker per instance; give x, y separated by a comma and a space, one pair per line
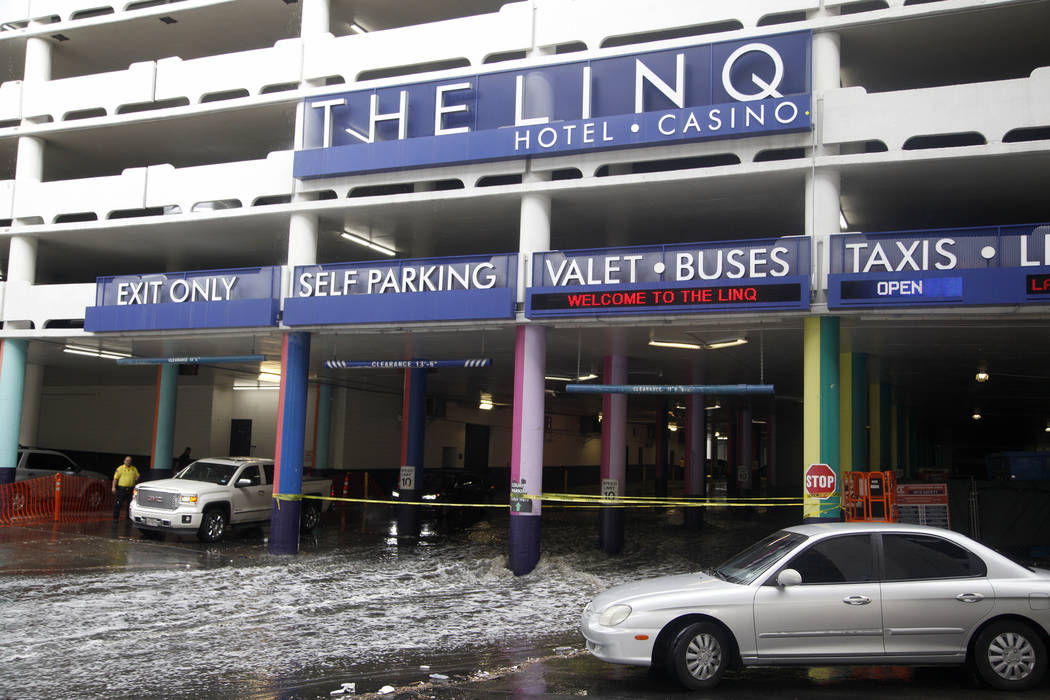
235, 298
769, 273
989, 265
437, 289
724, 90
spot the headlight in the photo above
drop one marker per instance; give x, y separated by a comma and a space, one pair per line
614, 615
187, 498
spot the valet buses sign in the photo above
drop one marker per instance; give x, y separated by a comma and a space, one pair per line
709, 91
770, 274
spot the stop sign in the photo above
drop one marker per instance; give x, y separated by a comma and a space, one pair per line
820, 481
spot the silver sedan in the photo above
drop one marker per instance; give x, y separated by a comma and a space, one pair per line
835, 594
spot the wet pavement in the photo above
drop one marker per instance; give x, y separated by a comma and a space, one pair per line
96, 610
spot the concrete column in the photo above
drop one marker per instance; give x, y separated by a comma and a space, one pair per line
614, 443
338, 447
316, 18
530, 361
820, 442
322, 439
823, 184
34, 388
413, 439
745, 450
291, 429
526, 459
695, 456
164, 421
12, 385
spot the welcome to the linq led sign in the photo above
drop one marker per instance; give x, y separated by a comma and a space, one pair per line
722, 90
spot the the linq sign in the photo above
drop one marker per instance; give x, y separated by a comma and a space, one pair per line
711, 91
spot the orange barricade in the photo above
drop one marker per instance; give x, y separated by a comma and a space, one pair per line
55, 498
869, 496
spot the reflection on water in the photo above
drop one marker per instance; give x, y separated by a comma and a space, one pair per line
351, 605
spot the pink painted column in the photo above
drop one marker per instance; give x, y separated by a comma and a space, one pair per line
614, 453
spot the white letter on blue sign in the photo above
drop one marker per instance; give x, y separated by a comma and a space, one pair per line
327, 107
642, 73
440, 109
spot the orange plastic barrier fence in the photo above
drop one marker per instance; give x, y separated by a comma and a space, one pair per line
869, 496
55, 498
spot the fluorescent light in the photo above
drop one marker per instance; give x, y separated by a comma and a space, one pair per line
713, 408
731, 343
269, 377
256, 387
485, 403
581, 378
367, 243
674, 344
88, 351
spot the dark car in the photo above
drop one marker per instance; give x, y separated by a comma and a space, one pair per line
450, 487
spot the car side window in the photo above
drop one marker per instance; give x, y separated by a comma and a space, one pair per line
268, 470
847, 559
42, 460
910, 557
252, 474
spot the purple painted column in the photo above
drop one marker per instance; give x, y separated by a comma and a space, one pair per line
413, 436
291, 438
614, 456
526, 459
696, 457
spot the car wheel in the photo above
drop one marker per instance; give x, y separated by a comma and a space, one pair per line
700, 655
213, 526
310, 517
1010, 655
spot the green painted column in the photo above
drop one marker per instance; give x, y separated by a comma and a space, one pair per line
164, 421
820, 443
12, 385
860, 411
902, 439
853, 398
874, 418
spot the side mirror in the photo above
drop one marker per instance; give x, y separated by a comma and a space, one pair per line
244, 482
789, 577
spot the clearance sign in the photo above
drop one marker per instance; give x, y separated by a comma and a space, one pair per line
709, 91
698, 277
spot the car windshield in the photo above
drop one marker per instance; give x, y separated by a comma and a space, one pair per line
208, 471
749, 564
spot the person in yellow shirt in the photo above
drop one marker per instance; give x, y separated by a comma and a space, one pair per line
124, 480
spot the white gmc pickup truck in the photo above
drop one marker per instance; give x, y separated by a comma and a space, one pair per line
213, 494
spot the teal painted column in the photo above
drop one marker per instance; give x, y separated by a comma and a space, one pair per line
860, 412
324, 426
12, 385
164, 421
820, 442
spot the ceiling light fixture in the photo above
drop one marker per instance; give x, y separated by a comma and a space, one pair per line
88, 351
701, 345
843, 224
976, 415
561, 378
713, 408
1047, 428
729, 343
485, 403
673, 427
982, 376
674, 344
273, 378
367, 243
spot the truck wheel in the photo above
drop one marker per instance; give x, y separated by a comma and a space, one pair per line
310, 517
213, 526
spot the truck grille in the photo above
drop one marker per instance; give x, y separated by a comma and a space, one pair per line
158, 499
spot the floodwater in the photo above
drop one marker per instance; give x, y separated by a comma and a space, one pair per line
111, 614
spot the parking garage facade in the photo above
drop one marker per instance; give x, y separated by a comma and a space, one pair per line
779, 234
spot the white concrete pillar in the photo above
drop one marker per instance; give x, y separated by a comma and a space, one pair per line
316, 18
535, 231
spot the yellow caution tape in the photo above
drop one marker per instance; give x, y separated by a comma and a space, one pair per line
570, 501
